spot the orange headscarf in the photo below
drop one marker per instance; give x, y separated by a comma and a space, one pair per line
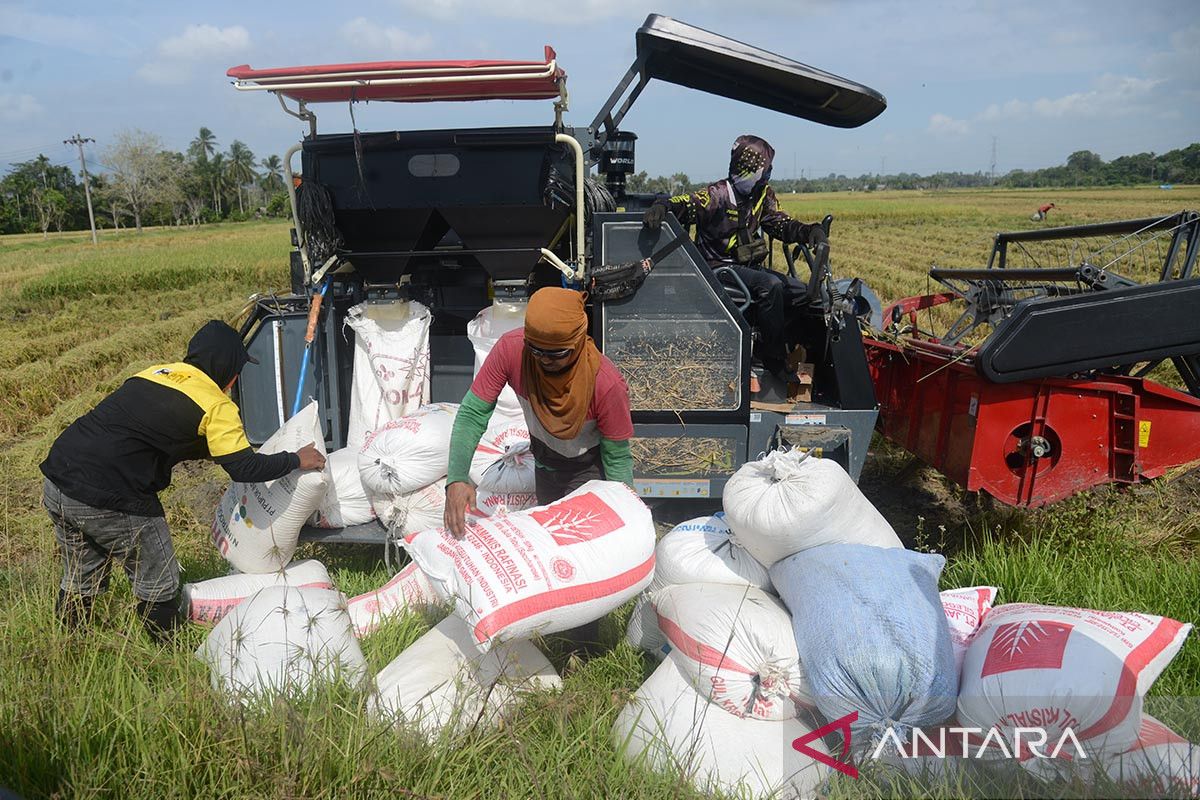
555, 320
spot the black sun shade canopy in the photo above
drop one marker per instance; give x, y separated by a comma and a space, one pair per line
683, 54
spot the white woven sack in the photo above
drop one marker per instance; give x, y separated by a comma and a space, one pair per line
415, 511
1161, 762
211, 600
965, 611
407, 453
670, 728
544, 570
790, 501
483, 332
257, 525
1091, 668
700, 550
443, 686
391, 365
643, 632
503, 471
488, 504
736, 645
345, 502
502, 436
408, 589
283, 640
695, 551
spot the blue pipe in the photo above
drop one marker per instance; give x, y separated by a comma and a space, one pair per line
304, 359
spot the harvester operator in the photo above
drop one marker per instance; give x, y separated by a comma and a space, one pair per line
731, 216
575, 401
104, 472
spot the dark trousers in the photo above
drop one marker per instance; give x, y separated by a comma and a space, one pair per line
774, 295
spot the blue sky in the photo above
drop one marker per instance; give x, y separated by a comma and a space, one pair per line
1040, 79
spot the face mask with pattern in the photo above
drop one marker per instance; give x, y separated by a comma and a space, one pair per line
744, 183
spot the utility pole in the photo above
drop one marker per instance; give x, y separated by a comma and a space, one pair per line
993, 170
79, 141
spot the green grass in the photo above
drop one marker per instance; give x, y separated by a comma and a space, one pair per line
109, 714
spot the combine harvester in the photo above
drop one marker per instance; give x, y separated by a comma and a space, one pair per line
461, 219
1039, 389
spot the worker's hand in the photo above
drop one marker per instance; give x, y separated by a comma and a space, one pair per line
816, 235
652, 220
460, 497
311, 457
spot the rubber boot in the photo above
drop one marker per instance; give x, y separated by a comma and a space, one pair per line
74, 611
161, 620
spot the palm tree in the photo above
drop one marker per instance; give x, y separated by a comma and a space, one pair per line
204, 145
240, 168
200, 149
272, 172
216, 179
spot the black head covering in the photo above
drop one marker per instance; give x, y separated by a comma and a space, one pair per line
217, 349
748, 155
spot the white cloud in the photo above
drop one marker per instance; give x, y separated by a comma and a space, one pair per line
1010, 110
1114, 95
366, 35
542, 11
198, 42
19, 107
942, 125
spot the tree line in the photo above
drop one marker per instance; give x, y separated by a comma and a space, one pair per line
1083, 168
139, 181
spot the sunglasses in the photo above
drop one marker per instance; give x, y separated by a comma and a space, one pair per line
550, 354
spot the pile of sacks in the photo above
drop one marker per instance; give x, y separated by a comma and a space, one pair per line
512, 577
281, 627
798, 613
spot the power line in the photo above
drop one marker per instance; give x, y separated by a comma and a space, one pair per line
79, 141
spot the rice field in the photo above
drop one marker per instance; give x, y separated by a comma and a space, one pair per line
110, 714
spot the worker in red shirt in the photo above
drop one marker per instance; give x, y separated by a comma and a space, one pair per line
1041, 213
575, 401
576, 407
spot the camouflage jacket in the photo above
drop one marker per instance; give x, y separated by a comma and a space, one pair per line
715, 213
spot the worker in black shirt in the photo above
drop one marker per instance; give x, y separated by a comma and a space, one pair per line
104, 473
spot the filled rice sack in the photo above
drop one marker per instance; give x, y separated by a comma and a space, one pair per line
443, 686
872, 636
544, 570
790, 501
735, 643
211, 600
1060, 668
283, 641
345, 502
391, 365
257, 525
670, 728
407, 453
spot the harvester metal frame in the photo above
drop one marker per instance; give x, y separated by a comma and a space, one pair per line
1055, 398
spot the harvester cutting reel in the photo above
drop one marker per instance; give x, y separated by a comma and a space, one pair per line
1040, 388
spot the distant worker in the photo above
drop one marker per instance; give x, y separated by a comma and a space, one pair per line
731, 216
575, 401
104, 473
1041, 213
